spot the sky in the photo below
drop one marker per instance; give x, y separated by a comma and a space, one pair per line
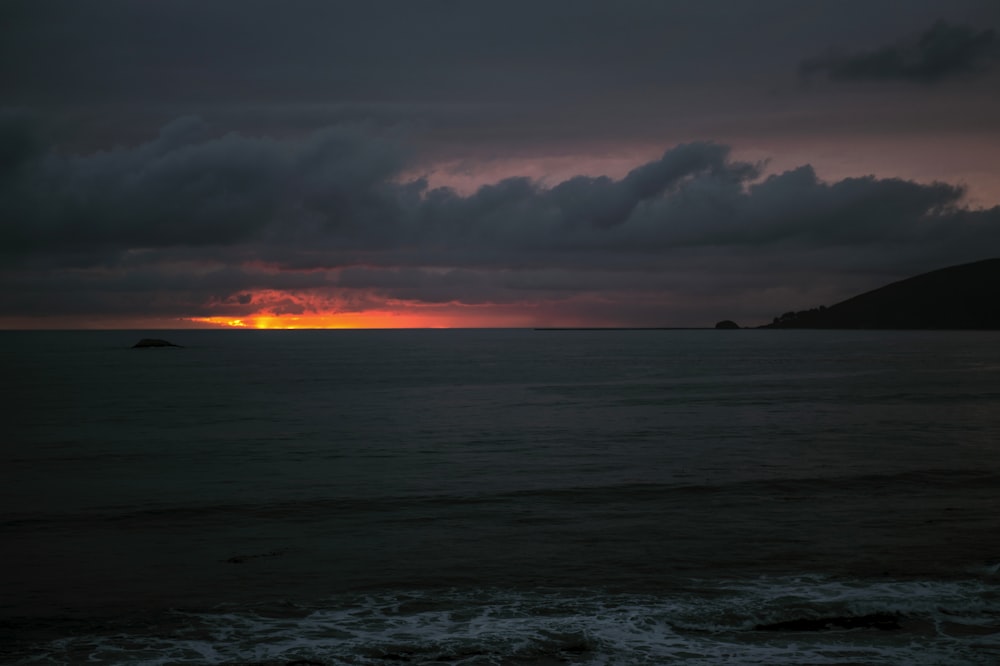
468, 163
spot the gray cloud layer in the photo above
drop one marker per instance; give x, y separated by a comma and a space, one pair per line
191, 223
484, 77
943, 51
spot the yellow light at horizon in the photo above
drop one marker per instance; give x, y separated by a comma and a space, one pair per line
313, 313
351, 320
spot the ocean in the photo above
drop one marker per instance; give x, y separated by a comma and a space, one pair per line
500, 497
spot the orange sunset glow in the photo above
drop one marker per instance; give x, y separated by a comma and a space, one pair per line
333, 320
442, 316
367, 309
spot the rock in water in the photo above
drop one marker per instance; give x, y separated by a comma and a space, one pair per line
153, 342
727, 323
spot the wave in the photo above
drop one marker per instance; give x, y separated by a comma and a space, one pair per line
759, 621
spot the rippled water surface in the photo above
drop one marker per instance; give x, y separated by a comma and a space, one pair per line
501, 497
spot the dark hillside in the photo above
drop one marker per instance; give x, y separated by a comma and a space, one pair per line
957, 297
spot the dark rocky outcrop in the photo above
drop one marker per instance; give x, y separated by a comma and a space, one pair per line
727, 324
965, 297
881, 621
153, 342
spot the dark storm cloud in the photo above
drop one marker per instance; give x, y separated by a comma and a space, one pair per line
184, 188
942, 52
503, 76
376, 51
191, 223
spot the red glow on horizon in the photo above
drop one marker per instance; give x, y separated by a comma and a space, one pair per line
338, 320
279, 310
438, 316
367, 309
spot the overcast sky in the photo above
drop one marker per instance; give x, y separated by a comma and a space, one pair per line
473, 163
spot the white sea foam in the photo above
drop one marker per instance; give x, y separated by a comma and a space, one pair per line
707, 625
775, 597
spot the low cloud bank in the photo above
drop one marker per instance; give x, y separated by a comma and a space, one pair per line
195, 224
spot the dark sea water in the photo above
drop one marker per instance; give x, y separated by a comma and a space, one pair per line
500, 497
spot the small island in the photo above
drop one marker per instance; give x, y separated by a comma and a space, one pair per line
153, 342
